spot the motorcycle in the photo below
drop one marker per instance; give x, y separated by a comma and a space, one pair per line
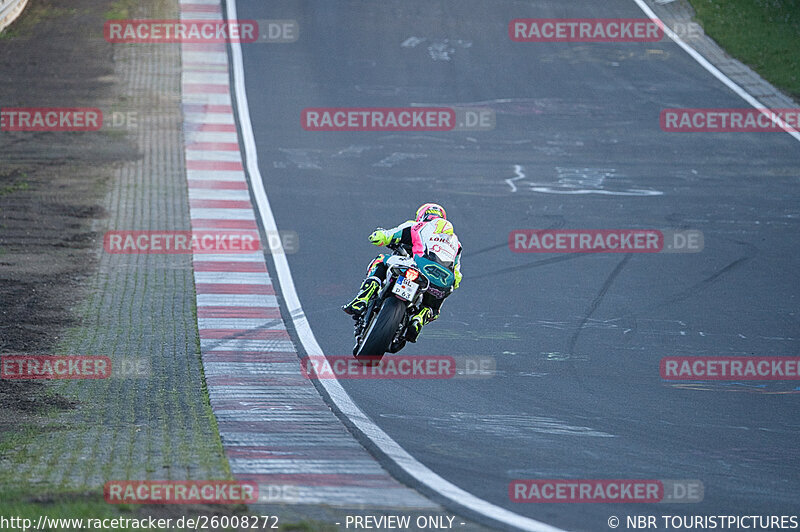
382, 328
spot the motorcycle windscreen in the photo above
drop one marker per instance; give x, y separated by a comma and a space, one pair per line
438, 274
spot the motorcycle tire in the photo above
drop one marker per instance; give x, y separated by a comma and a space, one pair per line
380, 334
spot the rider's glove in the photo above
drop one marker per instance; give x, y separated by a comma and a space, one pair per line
379, 237
458, 277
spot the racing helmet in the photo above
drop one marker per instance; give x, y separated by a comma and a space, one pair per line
429, 211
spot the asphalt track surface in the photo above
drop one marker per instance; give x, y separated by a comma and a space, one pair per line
577, 338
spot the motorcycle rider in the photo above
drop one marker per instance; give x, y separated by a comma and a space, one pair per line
430, 235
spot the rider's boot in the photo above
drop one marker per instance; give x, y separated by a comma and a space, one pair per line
368, 289
418, 321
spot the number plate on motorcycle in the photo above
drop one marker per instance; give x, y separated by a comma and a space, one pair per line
404, 288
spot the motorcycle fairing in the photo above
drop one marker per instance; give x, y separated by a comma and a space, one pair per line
435, 272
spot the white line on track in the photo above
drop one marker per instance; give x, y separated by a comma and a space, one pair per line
717, 73
520, 175
338, 395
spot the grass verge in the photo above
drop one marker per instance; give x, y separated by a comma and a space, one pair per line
764, 34
34, 13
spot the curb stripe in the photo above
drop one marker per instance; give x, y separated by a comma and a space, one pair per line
235, 300
217, 185
275, 426
243, 334
205, 88
227, 128
202, 266
230, 214
218, 194
215, 146
213, 165
238, 278
220, 288
204, 223
211, 311
219, 204
216, 175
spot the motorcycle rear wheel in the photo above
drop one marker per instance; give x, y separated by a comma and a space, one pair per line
381, 331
